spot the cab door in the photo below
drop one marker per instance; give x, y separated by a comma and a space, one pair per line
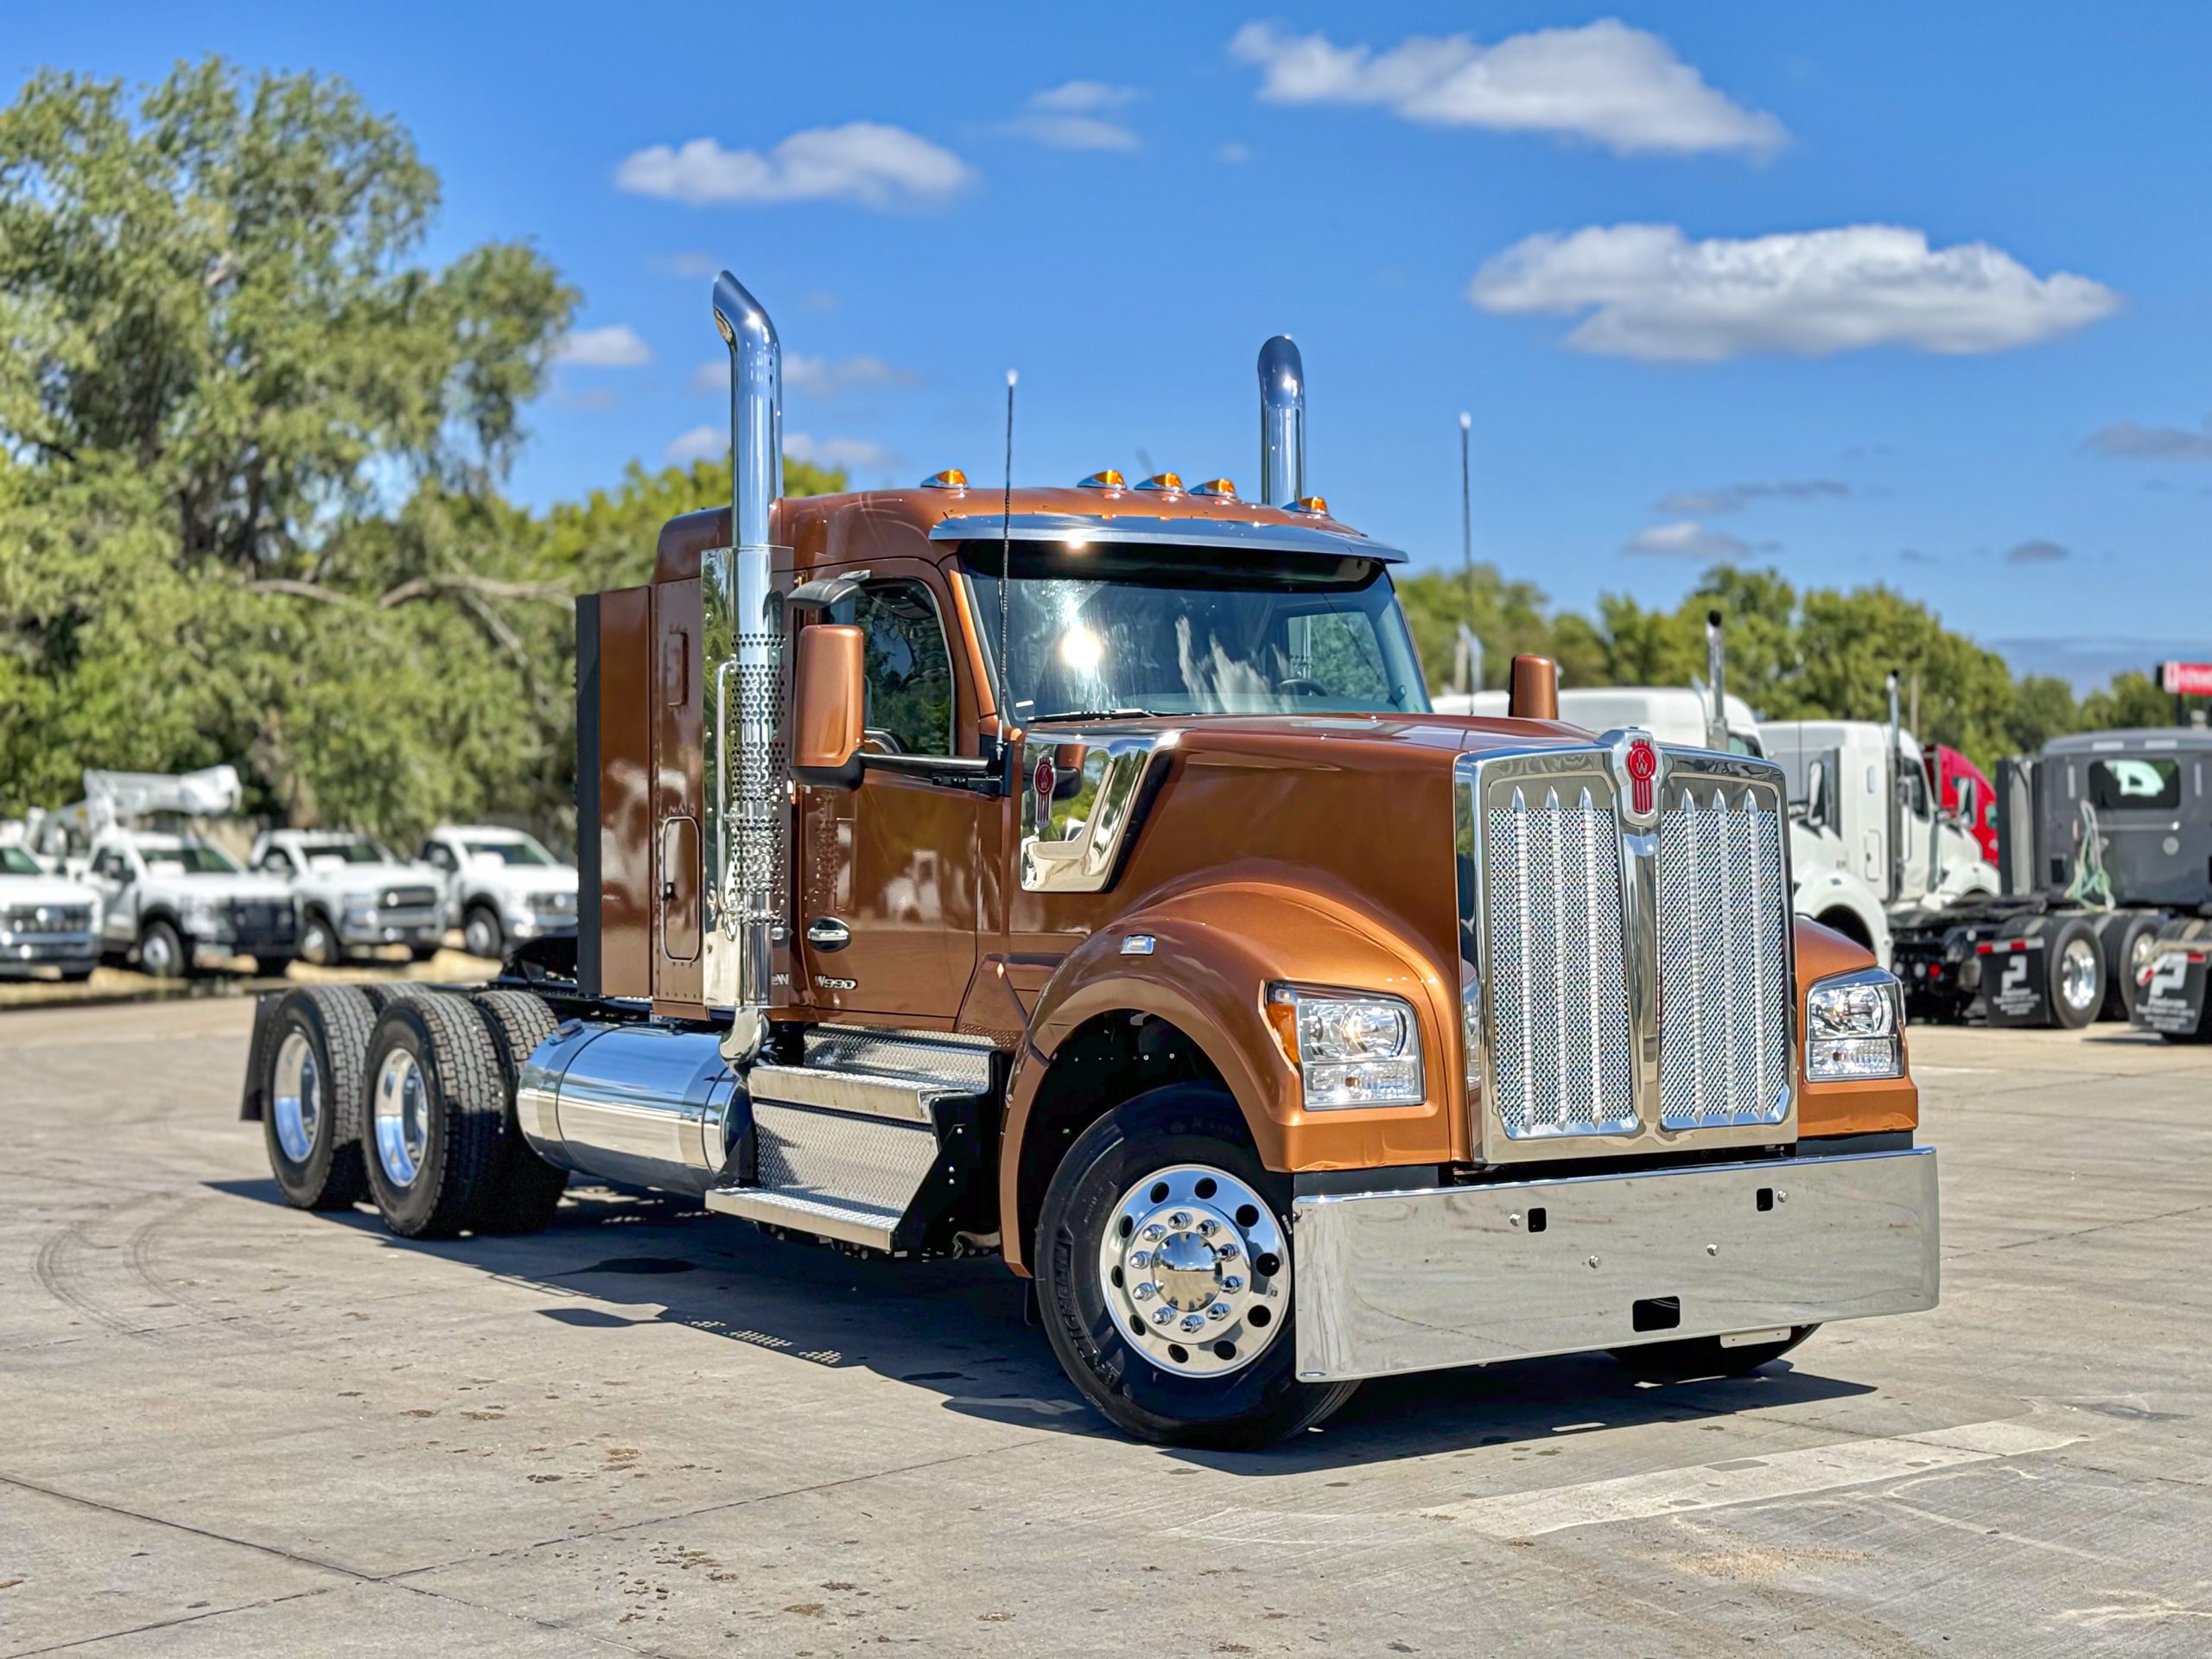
117, 882
678, 901
887, 871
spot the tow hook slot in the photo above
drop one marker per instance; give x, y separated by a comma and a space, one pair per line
1656, 1313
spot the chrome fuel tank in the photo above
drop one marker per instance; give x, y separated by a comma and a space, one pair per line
639, 1104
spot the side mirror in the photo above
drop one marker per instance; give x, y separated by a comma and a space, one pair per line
1816, 795
829, 698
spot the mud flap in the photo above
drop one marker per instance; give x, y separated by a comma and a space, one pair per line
251, 1104
2172, 1003
2016, 981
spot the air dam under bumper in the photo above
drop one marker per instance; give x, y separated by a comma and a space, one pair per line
1441, 1277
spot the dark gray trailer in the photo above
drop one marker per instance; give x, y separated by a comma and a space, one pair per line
2104, 843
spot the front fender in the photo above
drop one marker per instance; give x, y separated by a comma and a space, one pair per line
1215, 951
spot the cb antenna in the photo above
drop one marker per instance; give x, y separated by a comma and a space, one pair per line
1006, 570
1468, 539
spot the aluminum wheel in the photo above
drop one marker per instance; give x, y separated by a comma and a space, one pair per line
1195, 1270
157, 953
2141, 955
403, 1120
482, 935
2078, 974
296, 1096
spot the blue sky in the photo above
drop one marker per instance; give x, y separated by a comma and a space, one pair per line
1998, 404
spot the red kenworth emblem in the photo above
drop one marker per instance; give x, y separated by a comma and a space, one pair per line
1641, 765
1044, 780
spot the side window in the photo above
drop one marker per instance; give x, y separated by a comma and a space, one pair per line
277, 860
1915, 793
434, 853
111, 865
909, 671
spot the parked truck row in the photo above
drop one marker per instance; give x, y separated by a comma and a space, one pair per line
138, 872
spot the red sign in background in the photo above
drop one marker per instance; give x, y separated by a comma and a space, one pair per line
2186, 679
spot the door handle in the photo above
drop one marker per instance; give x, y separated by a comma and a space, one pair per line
827, 933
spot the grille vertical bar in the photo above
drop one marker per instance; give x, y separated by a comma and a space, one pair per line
1559, 1051
1723, 961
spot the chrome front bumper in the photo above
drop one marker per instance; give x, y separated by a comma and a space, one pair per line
48, 950
1441, 1277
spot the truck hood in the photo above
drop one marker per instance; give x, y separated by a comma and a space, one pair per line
216, 888
523, 877
1340, 739
17, 890
366, 878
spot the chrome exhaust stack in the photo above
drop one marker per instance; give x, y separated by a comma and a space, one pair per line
1716, 677
743, 701
1283, 423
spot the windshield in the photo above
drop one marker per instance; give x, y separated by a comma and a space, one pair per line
344, 849
186, 860
1163, 631
522, 850
13, 860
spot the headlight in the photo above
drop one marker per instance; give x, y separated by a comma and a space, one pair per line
1854, 1027
203, 915
359, 904
1350, 1049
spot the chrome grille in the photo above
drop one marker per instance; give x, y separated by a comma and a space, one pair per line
32, 920
1559, 1044
1723, 961
409, 898
1627, 978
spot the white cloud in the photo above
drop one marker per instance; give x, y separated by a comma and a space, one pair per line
1072, 115
1734, 498
615, 347
863, 161
1604, 82
700, 443
1652, 293
839, 454
817, 377
2129, 441
691, 265
1234, 155
2037, 551
1686, 538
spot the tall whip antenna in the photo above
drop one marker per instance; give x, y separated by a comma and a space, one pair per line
1006, 569
1466, 535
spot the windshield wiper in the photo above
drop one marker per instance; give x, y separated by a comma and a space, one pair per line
1092, 714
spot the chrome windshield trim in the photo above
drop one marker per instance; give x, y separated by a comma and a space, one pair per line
1232, 535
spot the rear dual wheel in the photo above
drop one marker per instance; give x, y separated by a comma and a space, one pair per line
1163, 1267
311, 1096
431, 1132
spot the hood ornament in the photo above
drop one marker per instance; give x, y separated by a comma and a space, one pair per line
1637, 764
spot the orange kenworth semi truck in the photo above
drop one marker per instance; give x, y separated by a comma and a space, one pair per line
1078, 876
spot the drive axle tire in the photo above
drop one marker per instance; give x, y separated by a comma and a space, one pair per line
311, 1096
2076, 968
1701, 1356
2127, 940
522, 1191
430, 1117
1163, 1274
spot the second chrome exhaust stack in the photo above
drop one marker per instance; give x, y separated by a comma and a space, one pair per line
1283, 423
743, 650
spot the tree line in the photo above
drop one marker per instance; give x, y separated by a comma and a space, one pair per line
252, 452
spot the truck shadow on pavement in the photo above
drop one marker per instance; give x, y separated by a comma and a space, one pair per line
615, 1258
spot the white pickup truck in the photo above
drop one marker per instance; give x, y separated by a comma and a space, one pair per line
502, 887
46, 921
169, 900
353, 894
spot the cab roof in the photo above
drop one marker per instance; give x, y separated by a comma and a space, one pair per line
878, 523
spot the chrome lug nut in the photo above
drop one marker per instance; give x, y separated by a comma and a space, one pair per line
1226, 1250
1180, 1220
1218, 1310
1163, 1315
1194, 1322
1145, 1292
1140, 1258
1232, 1284
1208, 1227
1155, 1232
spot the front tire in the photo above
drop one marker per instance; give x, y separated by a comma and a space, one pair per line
319, 944
162, 952
482, 934
430, 1126
311, 1096
1175, 1170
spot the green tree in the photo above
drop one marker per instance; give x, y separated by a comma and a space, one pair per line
248, 507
